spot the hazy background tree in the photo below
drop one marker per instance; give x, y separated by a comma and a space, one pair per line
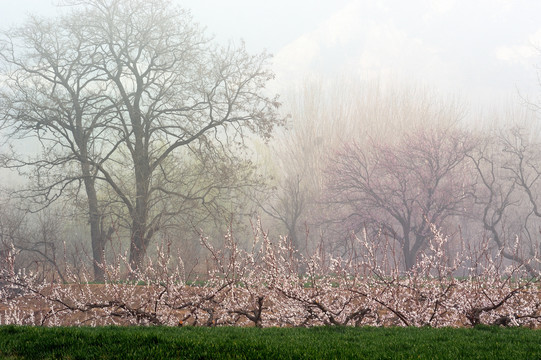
39, 239
507, 170
325, 115
401, 189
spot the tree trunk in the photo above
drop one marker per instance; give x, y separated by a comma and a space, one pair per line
139, 242
137, 245
409, 255
409, 259
139, 239
96, 235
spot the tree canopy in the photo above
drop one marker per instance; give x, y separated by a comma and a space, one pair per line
116, 88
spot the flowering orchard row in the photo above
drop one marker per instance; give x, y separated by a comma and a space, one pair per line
270, 284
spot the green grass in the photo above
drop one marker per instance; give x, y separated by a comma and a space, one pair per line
273, 343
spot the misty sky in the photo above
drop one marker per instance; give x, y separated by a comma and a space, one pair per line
481, 50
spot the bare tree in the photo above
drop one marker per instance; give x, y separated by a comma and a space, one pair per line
51, 93
508, 169
11, 230
324, 114
36, 238
287, 204
173, 90
157, 86
401, 189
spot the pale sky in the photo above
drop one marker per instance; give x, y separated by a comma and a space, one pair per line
481, 50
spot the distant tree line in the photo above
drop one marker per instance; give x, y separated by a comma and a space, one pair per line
146, 130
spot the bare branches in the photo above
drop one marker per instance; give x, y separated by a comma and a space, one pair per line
402, 188
121, 90
507, 167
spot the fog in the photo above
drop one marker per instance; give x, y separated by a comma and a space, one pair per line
148, 126
484, 51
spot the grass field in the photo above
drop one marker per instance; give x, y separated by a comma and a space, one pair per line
271, 343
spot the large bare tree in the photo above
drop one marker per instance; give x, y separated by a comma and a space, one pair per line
51, 93
148, 87
325, 114
401, 188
